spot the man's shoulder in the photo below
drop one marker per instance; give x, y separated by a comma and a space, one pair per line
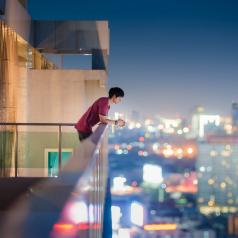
102, 100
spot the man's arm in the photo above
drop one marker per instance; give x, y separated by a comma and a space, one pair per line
105, 120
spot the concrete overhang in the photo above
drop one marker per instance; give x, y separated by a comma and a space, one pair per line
100, 75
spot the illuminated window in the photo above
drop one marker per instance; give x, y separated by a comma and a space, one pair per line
137, 214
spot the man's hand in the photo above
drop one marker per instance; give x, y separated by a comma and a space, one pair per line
105, 120
121, 122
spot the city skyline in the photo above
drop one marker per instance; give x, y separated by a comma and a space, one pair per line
167, 56
163, 163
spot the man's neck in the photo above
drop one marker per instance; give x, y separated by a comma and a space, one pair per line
110, 101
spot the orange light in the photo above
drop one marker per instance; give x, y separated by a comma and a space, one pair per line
116, 147
168, 152
160, 227
190, 150
64, 227
129, 147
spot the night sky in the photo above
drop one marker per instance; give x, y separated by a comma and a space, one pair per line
167, 55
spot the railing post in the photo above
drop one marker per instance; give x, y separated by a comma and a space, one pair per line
59, 147
16, 152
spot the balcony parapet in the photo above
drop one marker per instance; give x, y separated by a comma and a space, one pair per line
70, 205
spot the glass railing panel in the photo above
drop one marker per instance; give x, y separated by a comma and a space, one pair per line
37, 152
69, 141
7, 150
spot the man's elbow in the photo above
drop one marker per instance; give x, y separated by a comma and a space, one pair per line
103, 120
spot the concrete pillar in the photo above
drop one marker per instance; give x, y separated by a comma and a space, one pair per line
8, 77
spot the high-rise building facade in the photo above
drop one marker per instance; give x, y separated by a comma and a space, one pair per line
36, 89
234, 114
217, 171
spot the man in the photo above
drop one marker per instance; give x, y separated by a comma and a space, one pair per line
98, 113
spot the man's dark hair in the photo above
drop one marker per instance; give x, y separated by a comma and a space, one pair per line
118, 92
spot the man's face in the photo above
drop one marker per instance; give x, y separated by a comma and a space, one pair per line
116, 100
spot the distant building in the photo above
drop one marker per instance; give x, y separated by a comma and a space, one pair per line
206, 233
129, 212
234, 114
217, 171
203, 124
233, 225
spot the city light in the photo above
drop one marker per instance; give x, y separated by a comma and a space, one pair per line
152, 174
202, 169
120, 188
116, 216
124, 233
151, 129
64, 228
129, 147
116, 147
119, 183
190, 150
131, 126
78, 212
160, 127
179, 153
155, 147
179, 132
118, 115
91, 213
211, 181
137, 214
213, 153
223, 185
175, 151
168, 152
148, 122
119, 152
160, 227
228, 128
185, 129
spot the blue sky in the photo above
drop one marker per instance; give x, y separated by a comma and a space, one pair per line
167, 55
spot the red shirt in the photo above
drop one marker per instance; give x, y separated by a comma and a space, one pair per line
91, 117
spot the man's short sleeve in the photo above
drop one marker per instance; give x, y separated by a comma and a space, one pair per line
103, 107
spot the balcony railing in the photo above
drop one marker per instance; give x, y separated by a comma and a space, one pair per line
14, 142
71, 205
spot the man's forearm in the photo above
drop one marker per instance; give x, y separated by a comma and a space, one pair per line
109, 122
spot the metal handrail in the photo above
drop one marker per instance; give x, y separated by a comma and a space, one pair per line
34, 124
17, 124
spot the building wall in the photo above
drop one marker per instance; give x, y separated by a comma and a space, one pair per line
61, 96
8, 94
17, 18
